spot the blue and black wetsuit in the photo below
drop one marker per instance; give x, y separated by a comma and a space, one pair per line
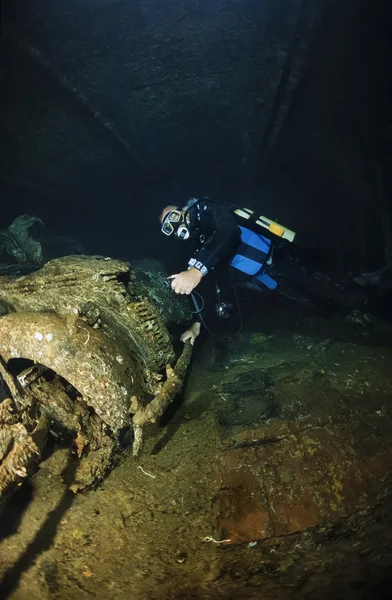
218, 242
236, 255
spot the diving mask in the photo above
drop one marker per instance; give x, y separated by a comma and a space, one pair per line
174, 223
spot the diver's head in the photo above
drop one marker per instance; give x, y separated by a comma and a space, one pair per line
172, 220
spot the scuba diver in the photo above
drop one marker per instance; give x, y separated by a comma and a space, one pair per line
240, 247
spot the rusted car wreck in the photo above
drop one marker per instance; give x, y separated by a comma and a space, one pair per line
85, 356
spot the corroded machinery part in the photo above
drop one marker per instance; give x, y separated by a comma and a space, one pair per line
165, 393
149, 280
94, 443
93, 296
20, 447
18, 452
78, 346
42, 397
83, 357
86, 286
105, 376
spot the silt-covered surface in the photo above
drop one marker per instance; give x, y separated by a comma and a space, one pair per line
270, 480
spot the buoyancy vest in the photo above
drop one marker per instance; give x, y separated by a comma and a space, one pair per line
253, 255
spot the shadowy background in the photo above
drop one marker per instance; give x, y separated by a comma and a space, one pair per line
111, 109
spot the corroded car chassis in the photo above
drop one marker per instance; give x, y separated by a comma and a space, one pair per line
84, 357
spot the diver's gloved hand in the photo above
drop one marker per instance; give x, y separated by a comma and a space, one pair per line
185, 282
191, 333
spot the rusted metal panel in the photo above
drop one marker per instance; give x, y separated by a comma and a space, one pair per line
104, 375
286, 477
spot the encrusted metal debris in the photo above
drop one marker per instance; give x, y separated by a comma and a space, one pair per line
79, 350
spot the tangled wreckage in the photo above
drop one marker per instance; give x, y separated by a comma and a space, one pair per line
85, 356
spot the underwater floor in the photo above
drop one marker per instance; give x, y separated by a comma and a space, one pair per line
270, 479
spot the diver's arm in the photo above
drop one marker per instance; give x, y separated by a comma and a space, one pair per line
191, 333
224, 241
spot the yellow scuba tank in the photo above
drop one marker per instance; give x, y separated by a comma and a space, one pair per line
279, 230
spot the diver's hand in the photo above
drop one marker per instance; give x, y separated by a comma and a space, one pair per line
191, 333
185, 282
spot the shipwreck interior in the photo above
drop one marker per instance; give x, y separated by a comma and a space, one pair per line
256, 462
